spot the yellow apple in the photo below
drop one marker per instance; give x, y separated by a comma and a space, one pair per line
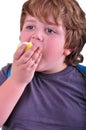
29, 45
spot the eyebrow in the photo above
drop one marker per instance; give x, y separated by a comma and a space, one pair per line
31, 20
34, 21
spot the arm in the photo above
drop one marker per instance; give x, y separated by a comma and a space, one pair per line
22, 72
10, 92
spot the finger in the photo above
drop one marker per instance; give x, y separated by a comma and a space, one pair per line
27, 55
34, 66
19, 52
32, 63
35, 56
38, 60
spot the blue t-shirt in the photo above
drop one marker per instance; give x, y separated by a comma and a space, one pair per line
50, 102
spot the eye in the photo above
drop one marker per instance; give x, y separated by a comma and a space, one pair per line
30, 27
50, 31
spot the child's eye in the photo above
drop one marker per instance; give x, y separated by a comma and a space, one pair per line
50, 31
30, 27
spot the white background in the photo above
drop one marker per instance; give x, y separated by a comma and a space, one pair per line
10, 28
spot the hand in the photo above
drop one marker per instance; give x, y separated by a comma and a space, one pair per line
25, 63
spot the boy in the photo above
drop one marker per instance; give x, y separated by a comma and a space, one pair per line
45, 90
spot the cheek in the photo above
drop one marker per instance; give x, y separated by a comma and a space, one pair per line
53, 51
24, 36
50, 52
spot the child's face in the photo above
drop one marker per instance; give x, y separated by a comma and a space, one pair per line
51, 39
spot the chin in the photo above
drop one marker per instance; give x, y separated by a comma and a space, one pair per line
39, 68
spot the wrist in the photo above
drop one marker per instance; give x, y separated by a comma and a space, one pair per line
16, 83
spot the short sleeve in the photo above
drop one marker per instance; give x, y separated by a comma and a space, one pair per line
4, 73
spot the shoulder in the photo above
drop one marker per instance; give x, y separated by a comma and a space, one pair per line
4, 73
82, 69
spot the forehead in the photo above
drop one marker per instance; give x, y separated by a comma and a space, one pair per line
50, 20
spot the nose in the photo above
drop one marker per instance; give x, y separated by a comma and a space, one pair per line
38, 35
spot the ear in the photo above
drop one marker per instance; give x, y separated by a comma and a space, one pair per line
67, 52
